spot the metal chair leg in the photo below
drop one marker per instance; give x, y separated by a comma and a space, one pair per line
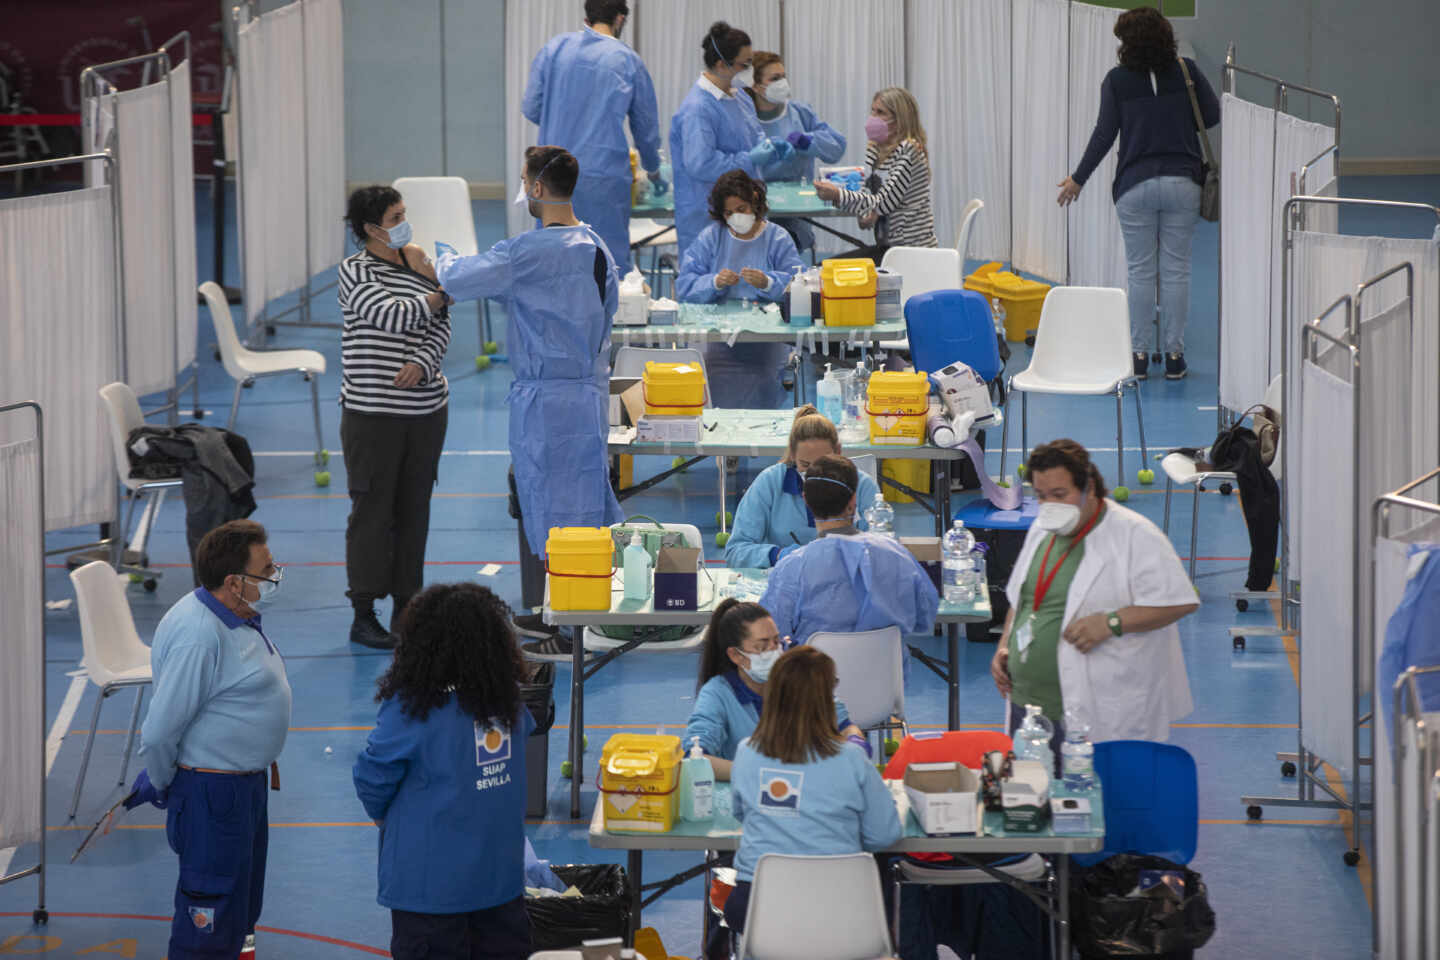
1005, 426
720, 463
130, 735
1140, 424
124, 533
1169, 488
1024, 426
1120, 433
895, 908
315, 408
1194, 527
235, 405
100, 696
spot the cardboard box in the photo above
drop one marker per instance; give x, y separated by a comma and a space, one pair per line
962, 391
677, 579
608, 949
1071, 815
943, 796
667, 429
1025, 797
928, 551
619, 415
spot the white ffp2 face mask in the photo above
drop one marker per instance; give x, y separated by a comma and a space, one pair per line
745, 78
741, 223
778, 91
1059, 518
761, 663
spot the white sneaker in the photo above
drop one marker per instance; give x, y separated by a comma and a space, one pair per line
247, 952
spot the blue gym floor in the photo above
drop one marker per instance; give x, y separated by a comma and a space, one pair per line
1279, 887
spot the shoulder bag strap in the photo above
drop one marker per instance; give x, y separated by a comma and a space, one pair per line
1199, 120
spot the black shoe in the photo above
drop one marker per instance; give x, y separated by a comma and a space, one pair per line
367, 632
533, 625
1175, 366
1142, 366
557, 647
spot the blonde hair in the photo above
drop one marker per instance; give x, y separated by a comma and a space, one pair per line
902, 106
810, 424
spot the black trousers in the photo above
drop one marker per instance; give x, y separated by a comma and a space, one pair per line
391, 464
498, 933
875, 252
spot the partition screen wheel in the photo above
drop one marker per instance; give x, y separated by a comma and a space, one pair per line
1254, 812
1226, 488
1238, 643
1352, 858
150, 585
40, 918
1030, 340
1287, 769
1242, 604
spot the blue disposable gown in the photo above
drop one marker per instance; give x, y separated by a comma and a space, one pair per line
559, 337
747, 374
849, 584
708, 137
582, 87
828, 144
1412, 637
772, 520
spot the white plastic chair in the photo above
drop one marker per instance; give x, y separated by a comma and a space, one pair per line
438, 209
558, 955
122, 408
868, 465
598, 641
1081, 349
967, 228
657, 237
870, 669
244, 364
807, 907
1180, 469
115, 657
922, 270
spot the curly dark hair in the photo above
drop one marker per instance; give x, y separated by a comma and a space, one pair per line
456, 637
1147, 41
738, 183
1073, 457
368, 205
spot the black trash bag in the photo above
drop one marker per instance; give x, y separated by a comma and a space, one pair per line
559, 923
538, 694
1108, 921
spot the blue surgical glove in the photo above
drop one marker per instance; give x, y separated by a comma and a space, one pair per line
143, 791
800, 140
658, 183
863, 744
783, 151
763, 152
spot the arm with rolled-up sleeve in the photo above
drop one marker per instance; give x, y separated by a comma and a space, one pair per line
184, 680
879, 820
381, 767
362, 293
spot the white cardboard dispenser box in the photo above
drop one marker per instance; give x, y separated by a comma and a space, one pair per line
667, 430
944, 797
1025, 797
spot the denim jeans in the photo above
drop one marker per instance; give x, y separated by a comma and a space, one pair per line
1157, 217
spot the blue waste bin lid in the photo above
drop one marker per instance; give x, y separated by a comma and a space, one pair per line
983, 515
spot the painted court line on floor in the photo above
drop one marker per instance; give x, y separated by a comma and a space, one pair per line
317, 937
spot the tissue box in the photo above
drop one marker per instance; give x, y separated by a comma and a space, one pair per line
943, 797
888, 300
1025, 797
1071, 815
676, 578
962, 391
667, 430
664, 313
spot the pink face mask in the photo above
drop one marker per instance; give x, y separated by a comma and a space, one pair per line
877, 129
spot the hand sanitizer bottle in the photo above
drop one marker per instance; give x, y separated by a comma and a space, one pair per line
637, 569
697, 785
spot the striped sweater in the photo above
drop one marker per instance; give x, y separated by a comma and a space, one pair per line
907, 218
388, 324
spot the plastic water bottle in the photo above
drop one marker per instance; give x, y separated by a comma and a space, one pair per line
980, 557
1032, 739
799, 300
1077, 754
881, 517
697, 785
831, 397
637, 569
997, 309
957, 565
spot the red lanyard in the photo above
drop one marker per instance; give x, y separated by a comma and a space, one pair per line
1042, 582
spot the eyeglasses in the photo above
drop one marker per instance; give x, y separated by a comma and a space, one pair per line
279, 575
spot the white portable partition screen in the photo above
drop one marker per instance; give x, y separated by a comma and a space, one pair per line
22, 646
529, 25
291, 154
62, 334
1040, 59
1095, 246
182, 167
957, 63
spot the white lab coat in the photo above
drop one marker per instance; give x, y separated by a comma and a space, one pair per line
1130, 687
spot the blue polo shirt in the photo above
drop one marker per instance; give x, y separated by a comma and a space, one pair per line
726, 712
222, 699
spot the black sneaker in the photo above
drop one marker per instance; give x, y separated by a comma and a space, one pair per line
1175, 366
557, 647
1142, 366
533, 625
367, 632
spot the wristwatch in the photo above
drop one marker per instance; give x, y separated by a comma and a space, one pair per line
1113, 622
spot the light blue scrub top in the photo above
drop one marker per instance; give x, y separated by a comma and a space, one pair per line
772, 509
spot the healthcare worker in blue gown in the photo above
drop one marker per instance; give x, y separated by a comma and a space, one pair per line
783, 118
847, 581
557, 284
582, 87
740, 256
716, 131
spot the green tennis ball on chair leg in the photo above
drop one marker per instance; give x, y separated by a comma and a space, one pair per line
322, 478
490, 346
1146, 477
721, 539
1121, 494
482, 363
566, 769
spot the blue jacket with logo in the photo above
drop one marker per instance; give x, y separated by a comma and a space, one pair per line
450, 793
